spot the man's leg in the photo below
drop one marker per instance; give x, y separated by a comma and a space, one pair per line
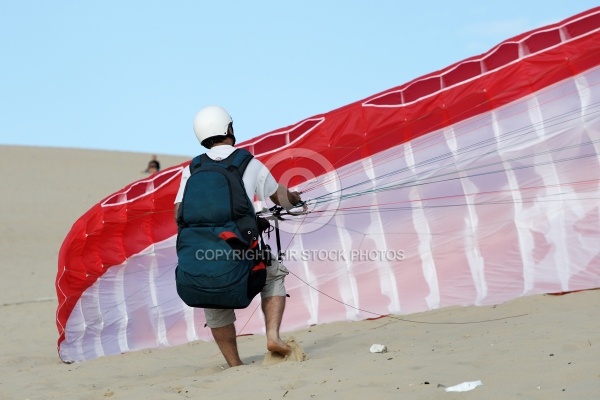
273, 309
220, 322
226, 340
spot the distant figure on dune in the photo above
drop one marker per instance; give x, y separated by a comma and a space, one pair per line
153, 166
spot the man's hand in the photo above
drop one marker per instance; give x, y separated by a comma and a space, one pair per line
294, 198
286, 199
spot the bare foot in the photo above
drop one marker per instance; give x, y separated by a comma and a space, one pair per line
279, 347
274, 357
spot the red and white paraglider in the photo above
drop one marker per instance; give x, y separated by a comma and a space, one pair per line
471, 185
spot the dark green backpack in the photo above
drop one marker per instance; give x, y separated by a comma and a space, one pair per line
219, 260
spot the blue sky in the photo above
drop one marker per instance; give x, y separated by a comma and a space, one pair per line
130, 75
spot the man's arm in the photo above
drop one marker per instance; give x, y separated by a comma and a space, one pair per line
176, 209
283, 197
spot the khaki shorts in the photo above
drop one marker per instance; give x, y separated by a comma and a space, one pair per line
274, 286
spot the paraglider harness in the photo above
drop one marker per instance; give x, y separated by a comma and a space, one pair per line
276, 214
222, 256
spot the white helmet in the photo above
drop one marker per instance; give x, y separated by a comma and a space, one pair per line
211, 121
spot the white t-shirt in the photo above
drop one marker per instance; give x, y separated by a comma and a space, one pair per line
257, 178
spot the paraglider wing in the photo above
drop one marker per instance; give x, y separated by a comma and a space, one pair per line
471, 185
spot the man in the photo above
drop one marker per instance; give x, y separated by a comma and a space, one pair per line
213, 127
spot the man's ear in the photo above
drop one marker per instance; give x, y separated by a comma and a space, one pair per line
232, 139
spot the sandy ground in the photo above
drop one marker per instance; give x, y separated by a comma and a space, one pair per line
538, 347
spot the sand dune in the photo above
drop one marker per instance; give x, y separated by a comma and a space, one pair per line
537, 347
